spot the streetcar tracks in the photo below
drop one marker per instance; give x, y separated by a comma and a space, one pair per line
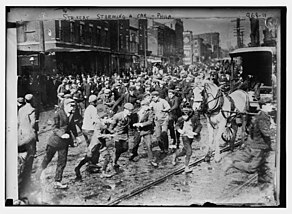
161, 179
235, 191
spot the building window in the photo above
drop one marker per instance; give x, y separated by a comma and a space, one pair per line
121, 41
82, 33
127, 42
141, 43
106, 38
60, 30
72, 32
98, 36
90, 37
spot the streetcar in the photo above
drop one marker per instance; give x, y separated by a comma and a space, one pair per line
257, 62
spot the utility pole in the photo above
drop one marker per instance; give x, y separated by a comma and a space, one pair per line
239, 31
145, 53
255, 33
42, 47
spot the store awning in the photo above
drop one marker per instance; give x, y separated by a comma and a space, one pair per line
74, 49
62, 49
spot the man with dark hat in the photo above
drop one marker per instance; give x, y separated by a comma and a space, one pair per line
174, 114
118, 90
119, 126
129, 97
88, 90
64, 131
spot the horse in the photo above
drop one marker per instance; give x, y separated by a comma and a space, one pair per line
221, 110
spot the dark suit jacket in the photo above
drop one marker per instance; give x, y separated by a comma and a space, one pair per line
62, 124
147, 120
87, 89
175, 111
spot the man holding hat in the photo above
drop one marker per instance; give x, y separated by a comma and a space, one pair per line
27, 137
119, 126
64, 130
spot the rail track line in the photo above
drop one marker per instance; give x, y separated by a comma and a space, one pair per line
236, 190
139, 190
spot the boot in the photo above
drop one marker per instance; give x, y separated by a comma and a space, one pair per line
78, 174
132, 157
174, 159
188, 170
59, 185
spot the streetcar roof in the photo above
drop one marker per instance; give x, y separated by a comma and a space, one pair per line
241, 51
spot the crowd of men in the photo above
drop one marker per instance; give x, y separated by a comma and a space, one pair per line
104, 109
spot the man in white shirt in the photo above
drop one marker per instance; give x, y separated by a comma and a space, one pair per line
161, 111
90, 118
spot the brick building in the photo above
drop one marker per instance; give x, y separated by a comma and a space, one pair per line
94, 46
165, 42
212, 41
201, 47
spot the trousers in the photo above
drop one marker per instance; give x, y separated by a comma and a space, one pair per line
160, 129
61, 162
137, 140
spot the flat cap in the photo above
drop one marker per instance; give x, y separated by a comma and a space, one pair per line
28, 97
129, 106
107, 91
67, 96
69, 101
20, 100
155, 93
92, 98
145, 102
146, 94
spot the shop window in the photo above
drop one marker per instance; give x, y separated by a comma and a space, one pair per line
121, 41
60, 31
82, 32
98, 36
72, 32
127, 42
105, 38
90, 36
